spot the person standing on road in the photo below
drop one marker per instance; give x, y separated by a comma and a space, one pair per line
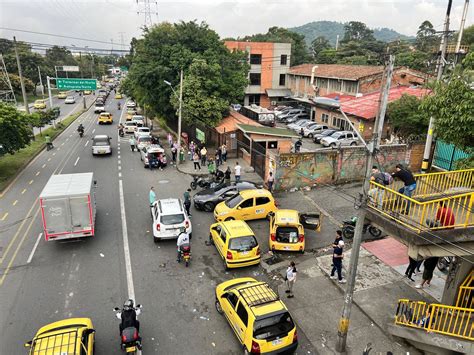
187, 201
412, 264
170, 139
237, 171
196, 161
224, 152
174, 153
290, 279
133, 143
152, 196
218, 157
203, 156
191, 150
227, 175
270, 181
337, 257
429, 266
409, 183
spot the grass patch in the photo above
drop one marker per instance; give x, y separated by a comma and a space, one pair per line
10, 165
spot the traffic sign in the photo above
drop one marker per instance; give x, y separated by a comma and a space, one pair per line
123, 68
73, 68
76, 84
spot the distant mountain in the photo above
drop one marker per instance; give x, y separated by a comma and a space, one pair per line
330, 30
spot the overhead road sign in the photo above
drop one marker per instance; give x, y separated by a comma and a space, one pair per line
73, 68
76, 84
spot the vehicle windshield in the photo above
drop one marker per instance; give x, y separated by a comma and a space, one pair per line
234, 201
275, 326
145, 139
300, 122
327, 132
243, 243
172, 219
144, 130
336, 135
100, 142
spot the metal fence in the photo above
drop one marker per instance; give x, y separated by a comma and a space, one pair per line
446, 155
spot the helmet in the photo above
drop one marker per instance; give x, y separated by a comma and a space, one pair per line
128, 305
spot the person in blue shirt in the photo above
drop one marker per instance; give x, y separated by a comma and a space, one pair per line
152, 196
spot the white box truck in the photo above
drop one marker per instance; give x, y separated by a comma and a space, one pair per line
67, 205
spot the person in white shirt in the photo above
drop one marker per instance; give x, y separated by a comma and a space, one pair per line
183, 238
290, 278
237, 171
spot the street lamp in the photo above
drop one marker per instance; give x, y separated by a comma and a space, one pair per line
180, 98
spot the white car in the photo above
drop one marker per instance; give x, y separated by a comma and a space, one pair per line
101, 145
343, 138
142, 131
312, 129
70, 100
153, 152
139, 120
143, 141
129, 127
169, 219
298, 124
131, 104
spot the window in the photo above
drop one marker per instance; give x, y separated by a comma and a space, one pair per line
273, 145
254, 99
254, 78
283, 59
223, 236
256, 59
242, 313
334, 85
282, 79
325, 118
247, 203
232, 298
350, 87
262, 201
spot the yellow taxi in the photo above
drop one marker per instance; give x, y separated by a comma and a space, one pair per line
236, 244
246, 205
105, 117
73, 336
62, 95
286, 231
87, 92
39, 104
118, 96
130, 114
258, 317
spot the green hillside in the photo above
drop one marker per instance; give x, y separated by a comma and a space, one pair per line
330, 30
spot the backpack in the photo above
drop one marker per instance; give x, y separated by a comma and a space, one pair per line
387, 178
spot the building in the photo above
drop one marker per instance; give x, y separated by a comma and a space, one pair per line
269, 65
361, 110
346, 79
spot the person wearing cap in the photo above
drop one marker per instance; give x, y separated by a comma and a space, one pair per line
337, 257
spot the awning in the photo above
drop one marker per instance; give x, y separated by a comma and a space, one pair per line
278, 92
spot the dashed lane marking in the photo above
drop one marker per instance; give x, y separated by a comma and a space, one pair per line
85, 145
34, 248
4, 216
54, 154
77, 161
15, 202
119, 167
93, 130
37, 173
49, 159
31, 181
120, 175
24, 190
42, 167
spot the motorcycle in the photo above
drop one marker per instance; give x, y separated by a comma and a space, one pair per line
204, 182
118, 106
444, 262
130, 339
81, 132
185, 254
349, 227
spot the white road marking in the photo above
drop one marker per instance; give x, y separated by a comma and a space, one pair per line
43, 166
34, 249
120, 168
62, 143
126, 249
93, 130
119, 162
118, 156
24, 190
120, 175
37, 173
85, 145
49, 159
15, 202
31, 181
54, 154
77, 161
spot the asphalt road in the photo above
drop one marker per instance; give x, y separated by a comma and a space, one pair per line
48, 281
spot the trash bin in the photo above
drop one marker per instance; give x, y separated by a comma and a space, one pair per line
181, 155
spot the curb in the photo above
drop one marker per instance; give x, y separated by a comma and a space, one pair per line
13, 179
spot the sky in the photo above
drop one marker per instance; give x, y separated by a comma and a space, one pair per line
109, 20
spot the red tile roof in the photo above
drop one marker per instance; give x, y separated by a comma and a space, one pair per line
229, 123
339, 71
366, 106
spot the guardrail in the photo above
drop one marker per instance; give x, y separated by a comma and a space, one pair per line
448, 320
443, 183
466, 292
442, 213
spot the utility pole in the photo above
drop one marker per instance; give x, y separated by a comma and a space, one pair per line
146, 10
440, 67
371, 153
22, 83
461, 30
180, 113
48, 82
41, 82
337, 41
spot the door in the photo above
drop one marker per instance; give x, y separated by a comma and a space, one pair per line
246, 209
259, 152
241, 321
262, 207
229, 303
219, 237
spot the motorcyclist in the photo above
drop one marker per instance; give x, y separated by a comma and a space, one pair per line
128, 316
80, 129
120, 129
118, 105
183, 239
298, 145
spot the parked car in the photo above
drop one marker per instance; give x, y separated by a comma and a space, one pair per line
70, 100
303, 125
298, 124
143, 141
139, 120
312, 129
286, 231
153, 152
259, 318
129, 127
169, 218
297, 117
338, 139
131, 104
326, 133
101, 145
208, 199
289, 113
141, 131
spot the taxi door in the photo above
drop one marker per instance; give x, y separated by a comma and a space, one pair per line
246, 209
219, 237
241, 321
262, 207
229, 302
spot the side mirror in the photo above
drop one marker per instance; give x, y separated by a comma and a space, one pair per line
139, 306
28, 344
116, 309
239, 208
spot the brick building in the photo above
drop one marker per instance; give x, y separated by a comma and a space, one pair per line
346, 79
269, 64
361, 110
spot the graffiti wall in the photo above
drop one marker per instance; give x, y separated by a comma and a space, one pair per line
296, 170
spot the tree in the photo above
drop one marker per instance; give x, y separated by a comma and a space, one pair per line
16, 85
414, 59
327, 56
319, 44
15, 132
406, 117
452, 105
39, 119
357, 31
59, 56
426, 37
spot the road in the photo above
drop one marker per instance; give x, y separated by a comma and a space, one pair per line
41, 282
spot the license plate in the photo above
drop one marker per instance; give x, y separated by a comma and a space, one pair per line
244, 253
101, 151
130, 349
287, 248
276, 342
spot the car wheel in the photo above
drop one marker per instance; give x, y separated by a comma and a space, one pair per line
209, 206
310, 135
246, 352
229, 219
156, 240
353, 144
190, 236
226, 268
211, 241
332, 145
219, 307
